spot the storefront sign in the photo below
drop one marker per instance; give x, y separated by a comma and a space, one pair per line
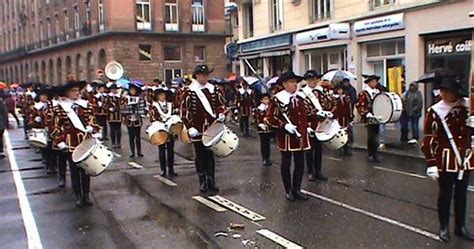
265, 44
334, 31
446, 47
379, 24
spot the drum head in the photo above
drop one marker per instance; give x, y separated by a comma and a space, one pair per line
383, 107
159, 138
83, 150
327, 130
213, 134
176, 129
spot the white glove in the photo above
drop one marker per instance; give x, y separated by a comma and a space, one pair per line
38, 119
369, 115
193, 132
62, 146
290, 128
236, 111
221, 117
111, 109
89, 129
97, 135
329, 115
324, 114
262, 126
432, 172
99, 104
310, 130
470, 121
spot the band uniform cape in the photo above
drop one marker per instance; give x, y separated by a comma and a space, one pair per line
436, 146
366, 100
69, 126
245, 101
260, 117
201, 105
160, 111
39, 109
300, 115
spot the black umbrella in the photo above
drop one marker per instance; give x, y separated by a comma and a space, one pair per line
435, 76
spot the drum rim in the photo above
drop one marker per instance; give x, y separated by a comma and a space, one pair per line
216, 138
391, 104
86, 153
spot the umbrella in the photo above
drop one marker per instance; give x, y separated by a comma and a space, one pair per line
3, 85
336, 76
435, 76
217, 80
250, 80
123, 83
15, 85
272, 81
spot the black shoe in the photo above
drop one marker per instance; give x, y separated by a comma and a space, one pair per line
463, 233
377, 159
311, 178
172, 173
132, 155
269, 163
290, 196
163, 173
62, 183
119, 146
79, 201
87, 202
140, 155
372, 160
321, 177
49, 172
348, 152
106, 139
300, 196
213, 187
203, 188
444, 234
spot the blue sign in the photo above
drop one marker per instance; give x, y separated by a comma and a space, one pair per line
267, 43
231, 50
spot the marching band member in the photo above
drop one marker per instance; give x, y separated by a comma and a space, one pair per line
73, 123
114, 117
289, 115
245, 102
319, 100
364, 107
161, 110
133, 108
53, 152
98, 106
447, 149
343, 113
202, 106
26, 103
263, 128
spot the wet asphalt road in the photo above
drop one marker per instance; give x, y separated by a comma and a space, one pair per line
135, 210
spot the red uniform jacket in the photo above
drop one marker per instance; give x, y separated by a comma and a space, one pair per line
113, 108
98, 102
64, 130
193, 112
364, 104
343, 110
300, 115
38, 110
324, 99
159, 112
26, 103
436, 146
260, 117
245, 101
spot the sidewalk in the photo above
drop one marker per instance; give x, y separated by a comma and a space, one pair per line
392, 142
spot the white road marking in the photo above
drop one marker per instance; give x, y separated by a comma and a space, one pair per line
135, 165
237, 208
401, 172
278, 239
34, 240
374, 216
165, 181
333, 158
209, 204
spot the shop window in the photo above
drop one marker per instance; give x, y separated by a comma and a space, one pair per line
373, 50
333, 58
277, 14
172, 53
171, 74
198, 16
143, 16
389, 48
144, 52
401, 47
200, 53
171, 15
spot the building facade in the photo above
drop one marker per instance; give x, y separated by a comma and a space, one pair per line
398, 40
46, 40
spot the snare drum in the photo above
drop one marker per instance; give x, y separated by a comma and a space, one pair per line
220, 139
332, 134
387, 107
174, 124
339, 140
93, 157
157, 133
38, 138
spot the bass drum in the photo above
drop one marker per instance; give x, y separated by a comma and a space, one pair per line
174, 125
93, 157
387, 107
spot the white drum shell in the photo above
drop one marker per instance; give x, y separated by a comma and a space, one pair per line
38, 138
173, 120
327, 129
387, 107
338, 141
213, 134
155, 127
228, 143
99, 160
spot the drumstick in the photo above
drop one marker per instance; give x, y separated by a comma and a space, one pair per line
289, 122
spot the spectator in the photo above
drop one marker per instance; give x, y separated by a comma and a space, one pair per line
413, 103
11, 107
383, 135
350, 90
3, 121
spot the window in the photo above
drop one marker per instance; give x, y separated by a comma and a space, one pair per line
41, 33
388, 48
172, 53
380, 3
198, 16
321, 9
144, 52
57, 30
171, 15
48, 30
248, 19
277, 14
66, 26
143, 15
200, 53
101, 15
76, 21
172, 74
86, 28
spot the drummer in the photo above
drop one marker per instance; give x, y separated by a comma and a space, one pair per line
114, 117
53, 150
263, 128
133, 108
202, 105
320, 101
73, 123
343, 113
245, 102
161, 110
289, 114
365, 110
98, 105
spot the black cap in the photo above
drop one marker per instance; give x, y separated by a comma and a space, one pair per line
71, 84
202, 69
369, 77
288, 76
454, 84
311, 74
